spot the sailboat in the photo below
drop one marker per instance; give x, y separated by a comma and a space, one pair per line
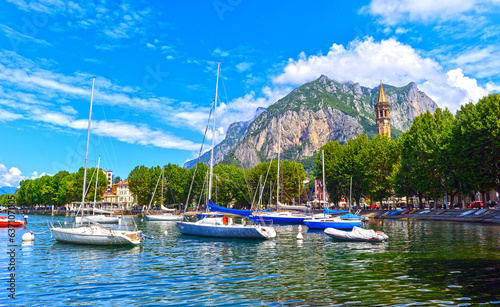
345, 222
280, 217
101, 217
168, 216
94, 233
222, 227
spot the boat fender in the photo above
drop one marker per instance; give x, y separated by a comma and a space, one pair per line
299, 235
29, 236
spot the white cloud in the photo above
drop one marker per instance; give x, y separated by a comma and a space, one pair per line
368, 62
243, 66
218, 52
7, 116
10, 177
17, 38
393, 12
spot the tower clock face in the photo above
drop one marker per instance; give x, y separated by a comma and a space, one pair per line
386, 121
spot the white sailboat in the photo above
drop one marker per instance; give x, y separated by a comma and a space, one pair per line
223, 227
94, 233
103, 216
345, 222
168, 216
280, 217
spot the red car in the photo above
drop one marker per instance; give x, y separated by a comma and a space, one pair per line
476, 204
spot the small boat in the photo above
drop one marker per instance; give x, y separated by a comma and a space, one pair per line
357, 234
104, 217
94, 233
345, 222
168, 216
164, 217
281, 217
224, 227
6, 222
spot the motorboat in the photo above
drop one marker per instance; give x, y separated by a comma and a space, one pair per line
6, 222
357, 234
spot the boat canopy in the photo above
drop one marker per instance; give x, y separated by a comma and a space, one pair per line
351, 216
329, 211
213, 207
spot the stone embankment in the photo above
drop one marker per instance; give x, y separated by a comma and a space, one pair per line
451, 215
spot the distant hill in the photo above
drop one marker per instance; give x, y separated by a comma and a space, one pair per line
314, 114
8, 190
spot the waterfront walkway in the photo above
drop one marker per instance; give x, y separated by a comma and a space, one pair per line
450, 215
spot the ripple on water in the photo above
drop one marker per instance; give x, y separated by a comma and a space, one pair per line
412, 268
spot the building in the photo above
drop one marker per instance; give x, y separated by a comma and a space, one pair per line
125, 198
382, 109
109, 177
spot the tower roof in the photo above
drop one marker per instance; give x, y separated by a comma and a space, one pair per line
381, 94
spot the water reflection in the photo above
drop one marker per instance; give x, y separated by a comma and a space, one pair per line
422, 263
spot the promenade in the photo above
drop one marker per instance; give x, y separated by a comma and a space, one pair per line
450, 215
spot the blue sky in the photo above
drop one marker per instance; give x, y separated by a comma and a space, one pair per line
155, 68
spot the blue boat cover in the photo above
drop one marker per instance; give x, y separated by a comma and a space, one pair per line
328, 211
213, 207
351, 216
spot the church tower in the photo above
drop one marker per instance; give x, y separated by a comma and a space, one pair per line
382, 109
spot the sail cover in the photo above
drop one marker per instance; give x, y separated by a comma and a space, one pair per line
213, 207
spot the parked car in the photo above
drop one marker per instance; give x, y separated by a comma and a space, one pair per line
492, 204
476, 204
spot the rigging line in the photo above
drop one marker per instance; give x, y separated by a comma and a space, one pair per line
152, 196
111, 143
199, 155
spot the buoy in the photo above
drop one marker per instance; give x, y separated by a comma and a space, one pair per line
299, 235
142, 220
29, 236
166, 233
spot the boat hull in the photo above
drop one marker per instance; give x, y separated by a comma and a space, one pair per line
277, 219
15, 223
224, 231
367, 235
164, 217
95, 235
101, 219
339, 224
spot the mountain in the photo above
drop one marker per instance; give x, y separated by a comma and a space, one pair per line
234, 135
315, 113
7, 190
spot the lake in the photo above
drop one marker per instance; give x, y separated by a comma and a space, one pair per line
423, 263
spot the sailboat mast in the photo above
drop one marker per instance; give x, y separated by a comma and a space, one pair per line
350, 196
213, 136
162, 179
88, 137
96, 181
324, 187
278, 174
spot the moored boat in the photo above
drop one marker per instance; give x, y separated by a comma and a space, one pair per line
6, 222
357, 235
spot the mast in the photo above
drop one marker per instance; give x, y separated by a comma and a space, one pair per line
350, 196
87, 151
278, 173
213, 136
162, 179
324, 192
96, 181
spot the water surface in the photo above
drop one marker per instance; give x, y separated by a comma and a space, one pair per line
423, 263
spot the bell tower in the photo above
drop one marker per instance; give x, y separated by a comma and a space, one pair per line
382, 109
